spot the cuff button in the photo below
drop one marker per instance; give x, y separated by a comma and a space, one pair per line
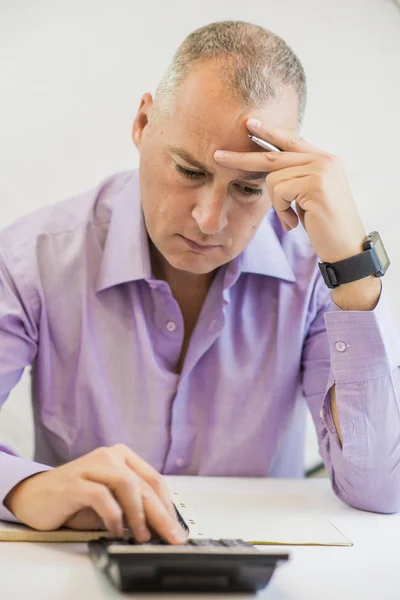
341, 346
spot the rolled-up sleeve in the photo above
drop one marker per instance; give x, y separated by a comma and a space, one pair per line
359, 352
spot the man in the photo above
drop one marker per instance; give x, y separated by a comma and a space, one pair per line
174, 316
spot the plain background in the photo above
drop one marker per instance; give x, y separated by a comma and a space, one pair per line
72, 75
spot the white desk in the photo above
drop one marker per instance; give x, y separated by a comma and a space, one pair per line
368, 570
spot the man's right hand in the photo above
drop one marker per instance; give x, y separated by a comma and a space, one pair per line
103, 489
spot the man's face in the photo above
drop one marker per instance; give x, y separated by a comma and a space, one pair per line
198, 214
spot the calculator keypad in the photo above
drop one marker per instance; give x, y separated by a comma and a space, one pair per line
201, 545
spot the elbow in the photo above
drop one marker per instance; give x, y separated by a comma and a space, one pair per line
384, 506
380, 498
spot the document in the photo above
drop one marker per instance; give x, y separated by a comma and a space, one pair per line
255, 519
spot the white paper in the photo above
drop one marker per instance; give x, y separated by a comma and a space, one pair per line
249, 517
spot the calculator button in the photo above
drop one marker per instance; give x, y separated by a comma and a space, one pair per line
233, 543
240, 545
204, 542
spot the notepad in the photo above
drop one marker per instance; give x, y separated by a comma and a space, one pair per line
255, 519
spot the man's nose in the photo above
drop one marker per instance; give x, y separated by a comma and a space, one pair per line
210, 213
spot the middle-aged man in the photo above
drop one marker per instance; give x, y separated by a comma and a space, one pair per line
173, 315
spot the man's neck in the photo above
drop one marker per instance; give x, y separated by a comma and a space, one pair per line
181, 283
188, 289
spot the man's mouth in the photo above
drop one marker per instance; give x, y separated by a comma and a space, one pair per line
199, 246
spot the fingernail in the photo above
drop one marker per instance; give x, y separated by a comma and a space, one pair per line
220, 154
178, 535
255, 123
142, 533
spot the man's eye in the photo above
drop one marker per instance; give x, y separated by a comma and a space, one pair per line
188, 173
248, 191
245, 191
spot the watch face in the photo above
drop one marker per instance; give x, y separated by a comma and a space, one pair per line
380, 250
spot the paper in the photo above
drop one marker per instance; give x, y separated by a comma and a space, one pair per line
254, 519
14, 532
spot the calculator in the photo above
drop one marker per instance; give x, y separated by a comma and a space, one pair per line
199, 565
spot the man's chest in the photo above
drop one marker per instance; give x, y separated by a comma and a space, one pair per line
115, 369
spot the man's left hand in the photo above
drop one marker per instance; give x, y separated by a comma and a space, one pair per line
312, 178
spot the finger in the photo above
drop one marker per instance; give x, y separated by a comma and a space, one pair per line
148, 474
86, 518
263, 162
160, 519
98, 497
284, 187
286, 140
127, 489
284, 194
129, 495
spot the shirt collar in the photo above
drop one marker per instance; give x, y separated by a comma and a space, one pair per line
265, 254
126, 255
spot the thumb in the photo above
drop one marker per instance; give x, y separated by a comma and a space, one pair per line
86, 518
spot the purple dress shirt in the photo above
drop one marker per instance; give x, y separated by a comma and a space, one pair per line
79, 303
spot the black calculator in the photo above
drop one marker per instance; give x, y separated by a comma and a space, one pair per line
200, 565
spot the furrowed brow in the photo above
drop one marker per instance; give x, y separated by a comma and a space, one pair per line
187, 157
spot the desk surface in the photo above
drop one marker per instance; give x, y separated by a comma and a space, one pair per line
368, 570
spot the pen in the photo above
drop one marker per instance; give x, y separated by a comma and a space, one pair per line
181, 520
264, 144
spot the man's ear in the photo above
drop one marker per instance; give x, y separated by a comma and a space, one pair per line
142, 119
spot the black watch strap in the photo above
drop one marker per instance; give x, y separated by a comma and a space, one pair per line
350, 269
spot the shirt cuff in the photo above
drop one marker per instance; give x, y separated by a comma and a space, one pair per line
363, 344
14, 469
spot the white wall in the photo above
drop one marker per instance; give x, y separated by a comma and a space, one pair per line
72, 74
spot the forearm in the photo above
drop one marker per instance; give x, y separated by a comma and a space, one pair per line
13, 470
364, 464
361, 411
359, 295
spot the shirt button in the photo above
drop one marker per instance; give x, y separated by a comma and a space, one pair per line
179, 462
341, 346
171, 326
322, 413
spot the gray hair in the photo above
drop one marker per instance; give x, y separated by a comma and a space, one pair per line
256, 65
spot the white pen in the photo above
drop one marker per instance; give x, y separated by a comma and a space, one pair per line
264, 144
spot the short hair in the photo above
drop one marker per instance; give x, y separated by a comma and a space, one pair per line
255, 65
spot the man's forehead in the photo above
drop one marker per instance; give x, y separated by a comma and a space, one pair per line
205, 107
191, 159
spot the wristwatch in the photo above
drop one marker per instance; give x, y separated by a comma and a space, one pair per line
372, 261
